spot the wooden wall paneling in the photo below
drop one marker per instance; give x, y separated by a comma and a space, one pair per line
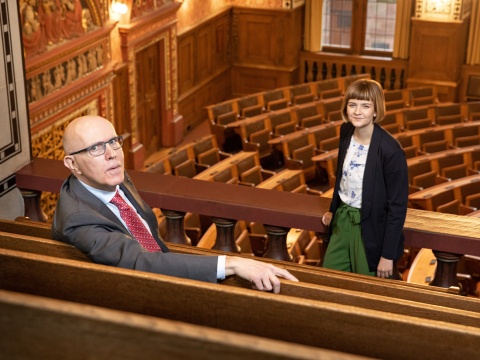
266, 47
204, 53
204, 68
186, 61
437, 55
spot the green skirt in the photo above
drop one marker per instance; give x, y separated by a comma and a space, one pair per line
346, 251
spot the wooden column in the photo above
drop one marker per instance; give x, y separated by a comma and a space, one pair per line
277, 243
225, 240
446, 271
175, 227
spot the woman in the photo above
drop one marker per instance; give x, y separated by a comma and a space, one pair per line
369, 203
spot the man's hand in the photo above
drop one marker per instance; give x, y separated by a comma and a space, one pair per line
262, 275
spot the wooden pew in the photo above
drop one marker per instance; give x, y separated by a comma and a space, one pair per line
306, 274
45, 328
433, 197
247, 311
231, 164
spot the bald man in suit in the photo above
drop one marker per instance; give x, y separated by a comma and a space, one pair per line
86, 218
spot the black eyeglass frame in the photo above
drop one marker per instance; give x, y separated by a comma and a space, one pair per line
118, 139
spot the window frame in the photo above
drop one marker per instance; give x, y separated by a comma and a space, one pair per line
357, 37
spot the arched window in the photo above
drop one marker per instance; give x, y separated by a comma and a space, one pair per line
359, 26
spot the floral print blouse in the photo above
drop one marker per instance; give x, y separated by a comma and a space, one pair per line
352, 174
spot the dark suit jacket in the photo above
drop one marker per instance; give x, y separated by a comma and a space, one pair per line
384, 197
84, 221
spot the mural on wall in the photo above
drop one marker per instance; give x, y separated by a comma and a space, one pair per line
48, 23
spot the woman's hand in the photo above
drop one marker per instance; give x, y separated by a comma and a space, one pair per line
327, 218
385, 268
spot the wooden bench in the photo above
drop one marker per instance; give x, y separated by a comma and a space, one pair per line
236, 309
235, 164
30, 322
306, 274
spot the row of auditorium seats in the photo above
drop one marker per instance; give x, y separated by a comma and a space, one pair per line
255, 104
184, 320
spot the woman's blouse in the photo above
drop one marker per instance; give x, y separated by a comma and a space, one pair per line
352, 174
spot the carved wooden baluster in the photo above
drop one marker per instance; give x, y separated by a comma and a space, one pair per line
175, 227
446, 271
33, 206
277, 243
225, 240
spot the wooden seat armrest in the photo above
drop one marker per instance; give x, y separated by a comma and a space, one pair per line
267, 174
293, 164
465, 209
244, 183
473, 171
443, 179
248, 146
200, 167
314, 192
413, 189
224, 155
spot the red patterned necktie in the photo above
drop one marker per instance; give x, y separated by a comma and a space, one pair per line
135, 225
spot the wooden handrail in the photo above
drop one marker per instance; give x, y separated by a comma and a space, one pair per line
443, 232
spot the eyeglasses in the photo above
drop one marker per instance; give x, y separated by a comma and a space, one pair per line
100, 148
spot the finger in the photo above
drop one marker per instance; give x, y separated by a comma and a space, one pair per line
285, 274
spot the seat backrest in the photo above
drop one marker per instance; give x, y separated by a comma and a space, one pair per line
280, 117
206, 143
305, 154
178, 157
426, 180
253, 127
209, 157
435, 146
455, 171
450, 207
227, 118
261, 137
469, 190
221, 109
311, 121
224, 176
253, 175
452, 159
467, 141
306, 111
418, 168
253, 110
296, 143
292, 183
329, 144
286, 128
245, 164
186, 169
247, 101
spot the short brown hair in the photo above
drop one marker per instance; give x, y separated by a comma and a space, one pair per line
366, 90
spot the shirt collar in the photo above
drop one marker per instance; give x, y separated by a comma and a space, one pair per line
104, 196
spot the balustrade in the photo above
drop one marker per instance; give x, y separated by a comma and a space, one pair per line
450, 236
390, 73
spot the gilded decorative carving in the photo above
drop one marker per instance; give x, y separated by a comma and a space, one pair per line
65, 73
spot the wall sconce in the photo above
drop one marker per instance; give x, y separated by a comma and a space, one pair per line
119, 7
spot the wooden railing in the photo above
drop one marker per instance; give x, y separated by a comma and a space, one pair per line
390, 73
450, 236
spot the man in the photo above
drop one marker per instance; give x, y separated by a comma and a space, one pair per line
86, 217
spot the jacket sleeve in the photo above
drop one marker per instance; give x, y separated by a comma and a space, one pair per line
104, 242
395, 172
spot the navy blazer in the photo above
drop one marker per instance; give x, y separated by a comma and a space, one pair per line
384, 195
83, 220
